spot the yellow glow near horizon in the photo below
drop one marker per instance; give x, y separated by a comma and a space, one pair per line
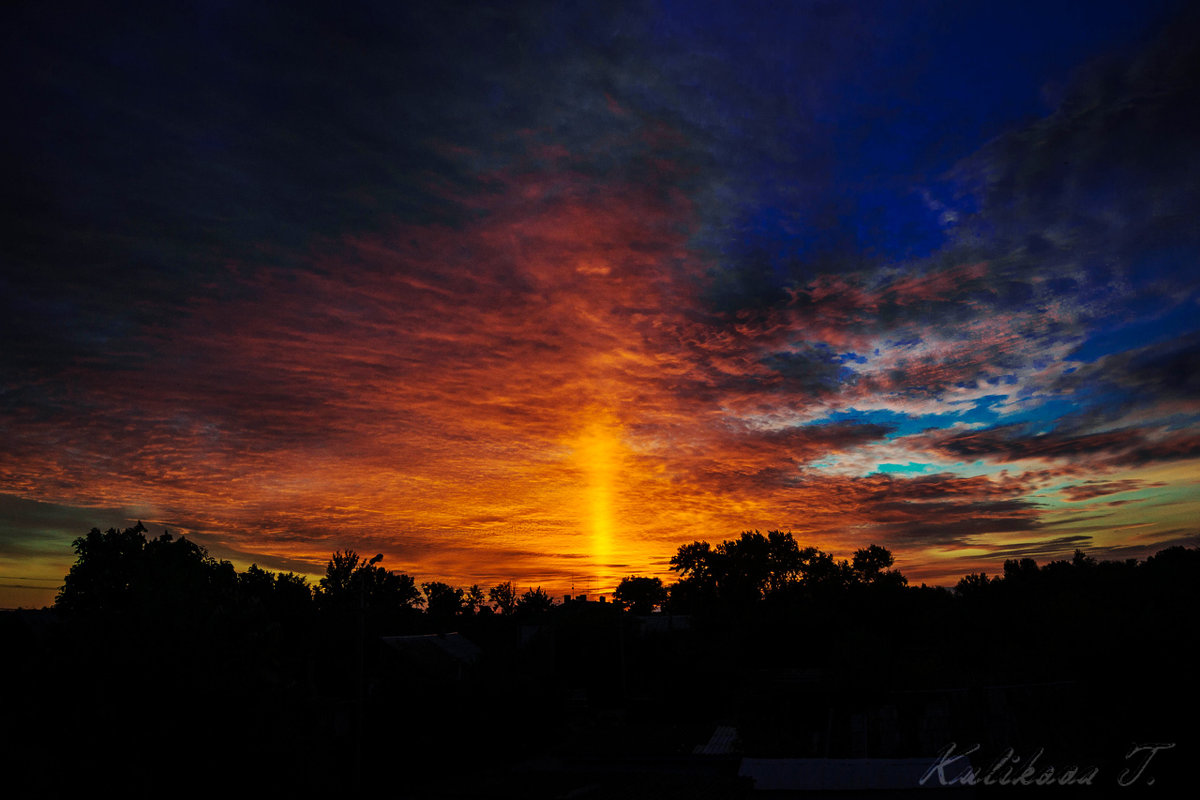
598, 455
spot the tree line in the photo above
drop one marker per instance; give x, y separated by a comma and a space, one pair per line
124, 572
120, 571
156, 647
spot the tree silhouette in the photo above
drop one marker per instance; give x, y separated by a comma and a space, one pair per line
534, 601
641, 594
349, 583
785, 560
103, 577
257, 583
973, 584
391, 590
739, 572
870, 565
1082, 560
870, 561
694, 562
504, 597
1024, 571
1175, 562
820, 571
292, 588
122, 573
744, 568
285, 596
473, 599
338, 573
442, 601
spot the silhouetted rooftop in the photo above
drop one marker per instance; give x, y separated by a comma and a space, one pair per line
436, 652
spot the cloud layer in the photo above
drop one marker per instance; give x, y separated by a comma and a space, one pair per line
544, 294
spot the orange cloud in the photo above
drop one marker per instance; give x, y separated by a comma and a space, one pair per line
536, 393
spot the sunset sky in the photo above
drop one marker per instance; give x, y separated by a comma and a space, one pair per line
542, 291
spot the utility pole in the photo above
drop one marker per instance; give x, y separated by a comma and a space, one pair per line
362, 647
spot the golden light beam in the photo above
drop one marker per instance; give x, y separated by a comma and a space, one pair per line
597, 454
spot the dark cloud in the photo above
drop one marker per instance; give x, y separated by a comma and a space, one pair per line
1121, 447
811, 370
1168, 371
943, 485
1101, 194
963, 531
1162, 374
1174, 447
1093, 489
1054, 548
1015, 442
1176, 537
143, 167
831, 436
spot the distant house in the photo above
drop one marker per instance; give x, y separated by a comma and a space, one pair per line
434, 656
723, 742
860, 775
